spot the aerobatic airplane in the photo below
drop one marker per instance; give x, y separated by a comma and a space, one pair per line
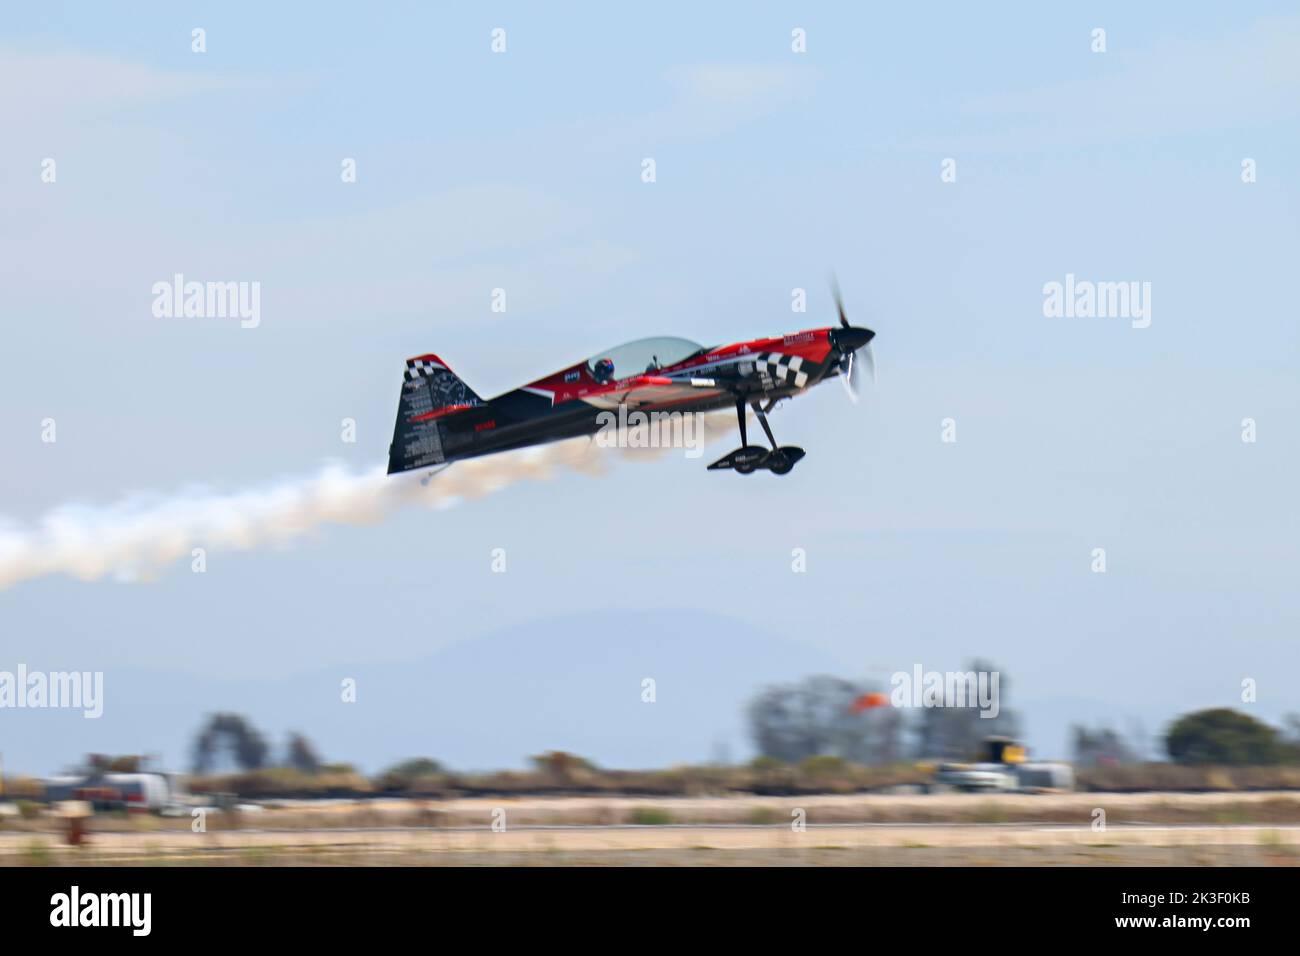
441, 420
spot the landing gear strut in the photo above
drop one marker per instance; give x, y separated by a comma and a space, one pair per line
748, 458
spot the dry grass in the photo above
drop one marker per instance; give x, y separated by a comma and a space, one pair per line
763, 777
656, 845
1223, 808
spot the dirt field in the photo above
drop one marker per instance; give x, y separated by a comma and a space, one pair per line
696, 855
974, 844
1055, 829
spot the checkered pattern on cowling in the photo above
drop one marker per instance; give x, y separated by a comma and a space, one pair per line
422, 368
782, 367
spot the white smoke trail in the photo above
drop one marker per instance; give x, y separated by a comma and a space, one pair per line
139, 535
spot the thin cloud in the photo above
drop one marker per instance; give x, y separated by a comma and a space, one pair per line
34, 85
1180, 86
709, 99
738, 84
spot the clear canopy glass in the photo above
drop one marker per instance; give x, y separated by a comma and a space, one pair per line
644, 355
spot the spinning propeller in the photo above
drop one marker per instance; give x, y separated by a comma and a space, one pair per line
849, 340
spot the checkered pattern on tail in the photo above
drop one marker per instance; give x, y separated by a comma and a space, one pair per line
422, 367
782, 368
429, 390
445, 387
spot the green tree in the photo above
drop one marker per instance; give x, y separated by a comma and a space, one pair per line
245, 744
1100, 747
1222, 736
958, 733
816, 717
302, 755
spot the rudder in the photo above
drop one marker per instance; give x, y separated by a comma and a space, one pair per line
430, 391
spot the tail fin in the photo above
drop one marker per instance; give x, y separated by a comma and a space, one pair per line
430, 390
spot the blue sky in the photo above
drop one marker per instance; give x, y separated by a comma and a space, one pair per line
522, 171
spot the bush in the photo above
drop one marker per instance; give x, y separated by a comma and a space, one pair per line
418, 773
823, 766
560, 763
651, 816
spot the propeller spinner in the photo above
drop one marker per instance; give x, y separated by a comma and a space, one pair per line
849, 340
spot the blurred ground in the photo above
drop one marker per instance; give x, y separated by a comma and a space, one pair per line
973, 844
951, 829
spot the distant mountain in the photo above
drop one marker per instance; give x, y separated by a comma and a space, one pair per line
565, 683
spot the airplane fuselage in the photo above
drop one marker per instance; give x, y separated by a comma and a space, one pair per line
441, 420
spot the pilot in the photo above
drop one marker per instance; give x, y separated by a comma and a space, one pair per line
604, 370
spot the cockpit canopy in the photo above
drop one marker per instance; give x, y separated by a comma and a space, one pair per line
641, 356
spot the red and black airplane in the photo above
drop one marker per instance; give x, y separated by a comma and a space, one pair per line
441, 420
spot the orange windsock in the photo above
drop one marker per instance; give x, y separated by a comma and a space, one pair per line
868, 701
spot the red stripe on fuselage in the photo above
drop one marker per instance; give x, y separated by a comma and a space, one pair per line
812, 344
440, 412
